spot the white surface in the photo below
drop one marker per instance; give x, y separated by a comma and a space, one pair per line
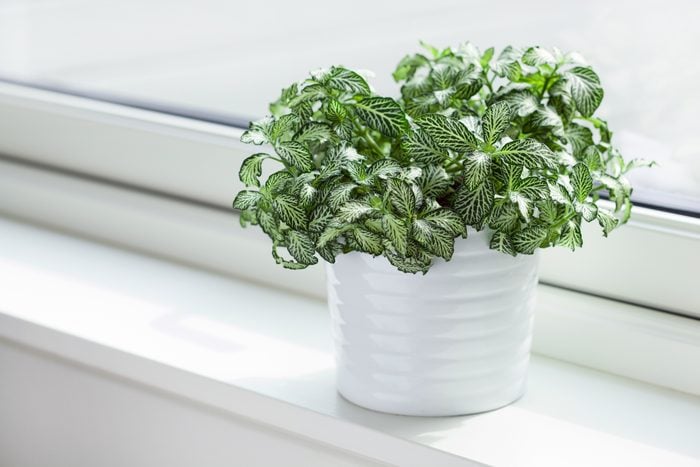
234, 57
455, 341
57, 414
255, 353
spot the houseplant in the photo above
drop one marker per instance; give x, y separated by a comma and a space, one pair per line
482, 160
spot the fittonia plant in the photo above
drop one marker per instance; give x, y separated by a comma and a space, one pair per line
507, 142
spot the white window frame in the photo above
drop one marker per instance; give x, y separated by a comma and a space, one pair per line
649, 262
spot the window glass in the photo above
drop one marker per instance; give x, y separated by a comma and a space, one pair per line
224, 61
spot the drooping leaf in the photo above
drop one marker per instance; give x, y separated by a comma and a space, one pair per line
529, 239
446, 220
581, 181
607, 221
396, 231
382, 114
434, 239
500, 241
301, 247
246, 199
588, 211
571, 235
289, 210
251, 169
368, 241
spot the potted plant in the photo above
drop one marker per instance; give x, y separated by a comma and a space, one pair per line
482, 161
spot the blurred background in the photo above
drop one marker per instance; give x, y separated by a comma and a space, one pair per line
223, 61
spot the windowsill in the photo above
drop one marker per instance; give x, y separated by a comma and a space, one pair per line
266, 355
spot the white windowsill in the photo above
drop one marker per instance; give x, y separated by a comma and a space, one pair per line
266, 355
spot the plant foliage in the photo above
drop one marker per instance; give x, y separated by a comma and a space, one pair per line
507, 142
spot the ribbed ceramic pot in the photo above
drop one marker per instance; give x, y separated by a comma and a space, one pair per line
454, 341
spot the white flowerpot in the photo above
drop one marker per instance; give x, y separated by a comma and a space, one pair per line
454, 341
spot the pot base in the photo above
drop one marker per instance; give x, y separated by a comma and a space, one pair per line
429, 406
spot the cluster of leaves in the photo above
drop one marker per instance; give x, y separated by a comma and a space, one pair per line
507, 143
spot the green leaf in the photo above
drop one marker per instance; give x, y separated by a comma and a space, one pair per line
384, 168
581, 181
301, 247
319, 218
251, 169
367, 241
382, 114
446, 220
448, 132
277, 182
526, 152
571, 235
580, 139
529, 239
296, 154
396, 231
246, 199
420, 147
343, 79
410, 265
258, 132
523, 202
496, 120
535, 56
315, 132
523, 103
547, 211
505, 218
531, 187
607, 221
332, 231
474, 204
588, 211
340, 194
336, 112
500, 241
507, 63
433, 181
402, 197
433, 239
559, 193
477, 167
585, 89
289, 210
547, 119
354, 210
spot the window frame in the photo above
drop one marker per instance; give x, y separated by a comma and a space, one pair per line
159, 153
